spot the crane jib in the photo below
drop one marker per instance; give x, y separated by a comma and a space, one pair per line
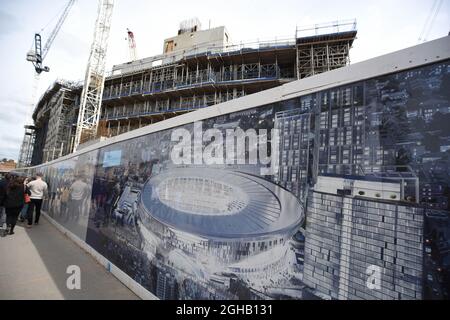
38, 55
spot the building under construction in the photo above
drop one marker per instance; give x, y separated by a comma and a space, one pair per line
54, 117
198, 68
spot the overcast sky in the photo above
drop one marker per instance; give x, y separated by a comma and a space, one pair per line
383, 26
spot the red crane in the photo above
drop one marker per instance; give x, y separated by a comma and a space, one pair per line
131, 45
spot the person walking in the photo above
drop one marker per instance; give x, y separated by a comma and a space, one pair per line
3, 185
24, 211
13, 202
39, 190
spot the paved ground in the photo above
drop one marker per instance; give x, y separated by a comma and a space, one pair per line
33, 264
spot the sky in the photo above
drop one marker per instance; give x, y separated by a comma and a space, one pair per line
383, 26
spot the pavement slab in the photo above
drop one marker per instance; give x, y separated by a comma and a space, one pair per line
34, 262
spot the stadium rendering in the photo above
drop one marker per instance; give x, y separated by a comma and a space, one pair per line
224, 214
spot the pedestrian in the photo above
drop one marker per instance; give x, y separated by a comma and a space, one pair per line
3, 185
13, 202
24, 212
39, 190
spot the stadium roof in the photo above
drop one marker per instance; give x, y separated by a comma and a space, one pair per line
268, 209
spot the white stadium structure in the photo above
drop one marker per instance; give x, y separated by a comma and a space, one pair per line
220, 216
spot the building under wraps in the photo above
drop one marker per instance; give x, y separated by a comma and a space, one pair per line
198, 68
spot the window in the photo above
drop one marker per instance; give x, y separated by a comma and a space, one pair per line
346, 96
324, 99
358, 95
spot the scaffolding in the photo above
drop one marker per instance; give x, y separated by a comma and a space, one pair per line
149, 90
143, 93
54, 116
140, 97
190, 25
58, 141
26, 149
324, 47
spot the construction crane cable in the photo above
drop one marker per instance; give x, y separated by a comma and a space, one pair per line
55, 31
427, 20
430, 20
54, 17
430, 27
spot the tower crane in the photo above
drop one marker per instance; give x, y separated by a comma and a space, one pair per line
132, 45
38, 55
91, 97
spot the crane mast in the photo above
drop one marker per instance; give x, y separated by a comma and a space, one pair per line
91, 98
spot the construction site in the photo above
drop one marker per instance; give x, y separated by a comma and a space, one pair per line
197, 68
210, 168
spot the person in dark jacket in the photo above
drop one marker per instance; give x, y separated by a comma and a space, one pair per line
13, 202
3, 185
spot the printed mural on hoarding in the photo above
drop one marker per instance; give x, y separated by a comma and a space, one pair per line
217, 209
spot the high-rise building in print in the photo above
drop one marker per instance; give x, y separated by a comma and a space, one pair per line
361, 241
294, 155
166, 286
